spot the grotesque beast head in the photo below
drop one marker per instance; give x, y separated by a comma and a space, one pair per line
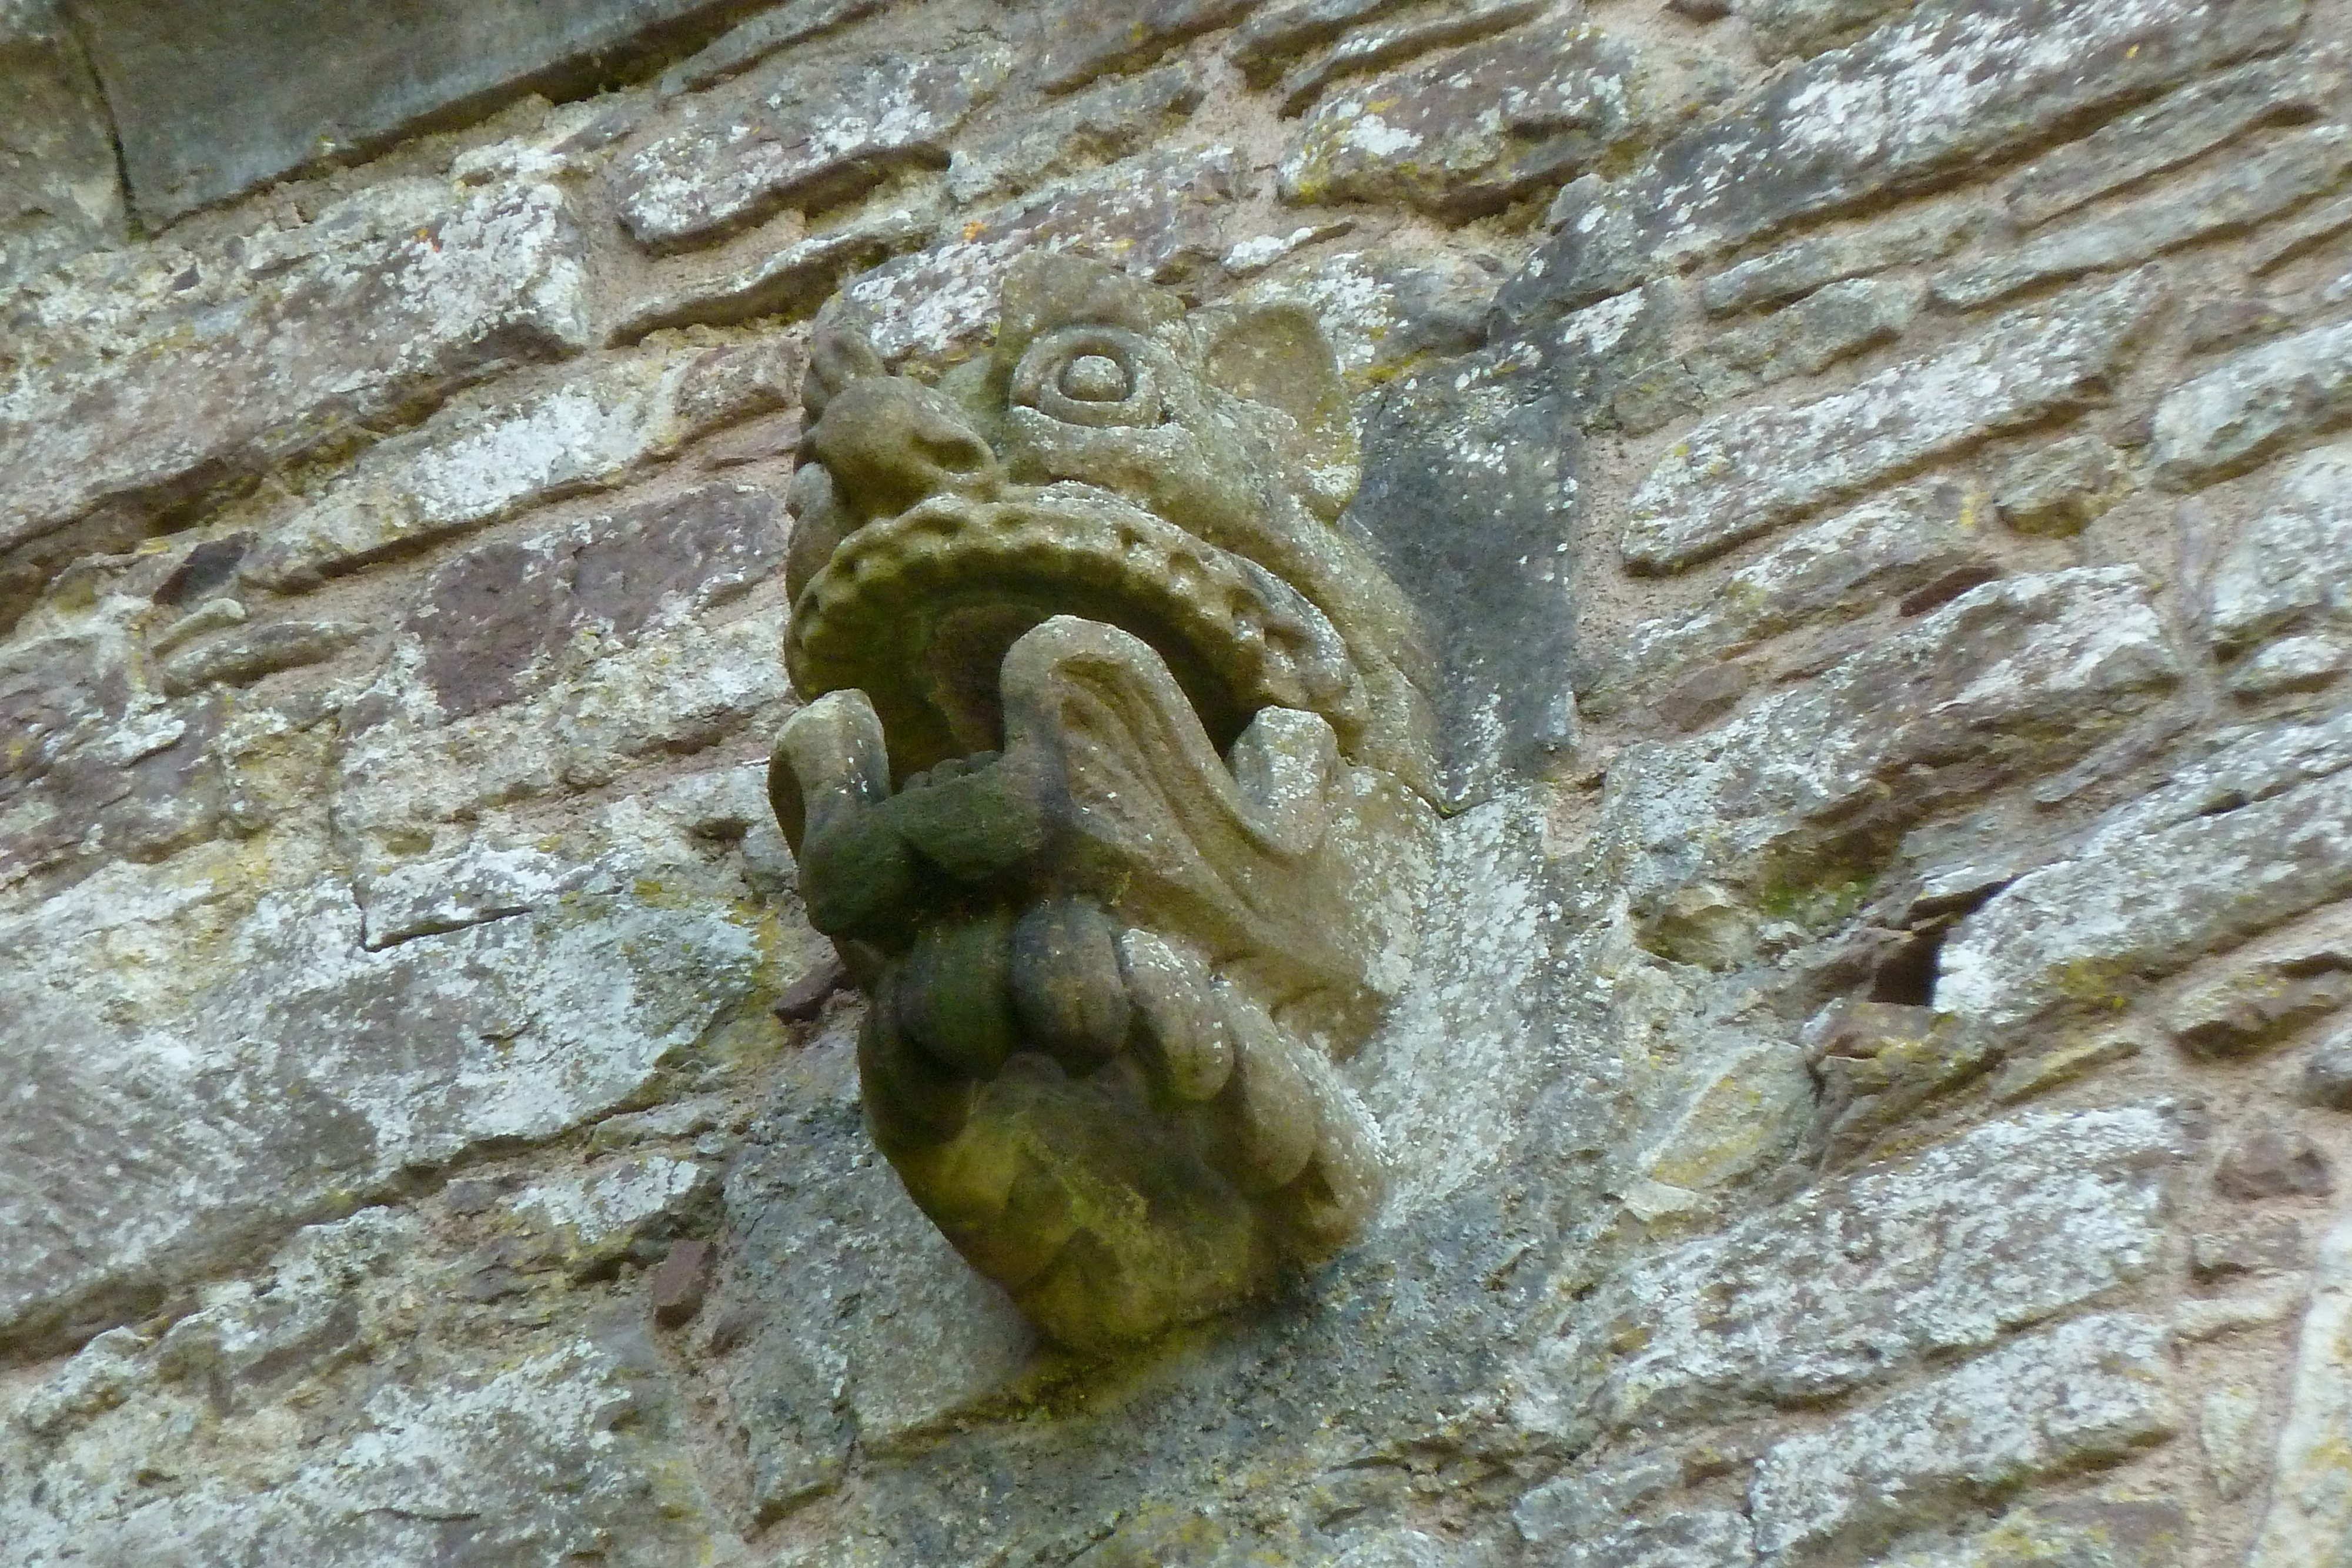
1110, 790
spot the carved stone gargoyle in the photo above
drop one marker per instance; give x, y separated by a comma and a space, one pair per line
1111, 791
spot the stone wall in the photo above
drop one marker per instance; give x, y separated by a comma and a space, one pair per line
1877, 1080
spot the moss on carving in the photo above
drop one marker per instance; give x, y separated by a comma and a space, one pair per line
1113, 767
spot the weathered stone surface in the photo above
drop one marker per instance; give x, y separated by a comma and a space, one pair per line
1587, 1504
1830, 324
789, 282
2309, 1517
803, 133
1735, 1106
2243, 193
2130, 1528
2257, 1246
600, 1215
2273, 1162
382, 306
1096, 126
2058, 489
60, 194
752, 41
488, 619
1779, 804
1073, 43
1949, 86
2326, 1078
1371, 46
2308, 229
95, 768
245, 655
2098, 1387
1744, 473
2291, 568
2182, 126
1486, 451
2303, 663
1158, 216
1692, 1538
1273, 35
303, 1066
868, 1326
1471, 130
213, 102
2254, 402
1805, 265
342, 1408
1854, 1283
568, 654
1784, 27
2265, 994
2082, 936
475, 467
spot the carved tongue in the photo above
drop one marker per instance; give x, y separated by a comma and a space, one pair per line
918, 612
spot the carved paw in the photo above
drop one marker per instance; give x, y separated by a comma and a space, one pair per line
1120, 1135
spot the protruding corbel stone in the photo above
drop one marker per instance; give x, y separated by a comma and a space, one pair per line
1111, 792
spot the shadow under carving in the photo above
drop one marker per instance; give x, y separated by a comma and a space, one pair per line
1112, 791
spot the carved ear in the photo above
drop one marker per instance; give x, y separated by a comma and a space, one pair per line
1276, 354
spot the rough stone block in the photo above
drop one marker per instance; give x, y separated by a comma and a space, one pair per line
96, 768
1807, 264
2086, 934
160, 1119
2013, 677
471, 469
2273, 1162
2183, 125
600, 1213
1800, 28
1952, 85
2095, 1388
763, 34
2291, 568
490, 618
1832, 323
2254, 402
2326, 1077
1374, 45
2245, 192
1158, 216
2058, 489
212, 100
1855, 1283
60, 192
128, 409
1096, 126
804, 132
1074, 43
2128, 1529
1744, 473
1473, 130
2309, 1517
250, 652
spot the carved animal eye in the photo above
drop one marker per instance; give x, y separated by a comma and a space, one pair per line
1095, 376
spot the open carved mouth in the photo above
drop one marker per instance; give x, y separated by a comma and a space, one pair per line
918, 609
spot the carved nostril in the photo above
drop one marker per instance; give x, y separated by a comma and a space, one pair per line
955, 451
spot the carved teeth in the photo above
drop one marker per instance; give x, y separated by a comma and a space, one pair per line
868, 619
